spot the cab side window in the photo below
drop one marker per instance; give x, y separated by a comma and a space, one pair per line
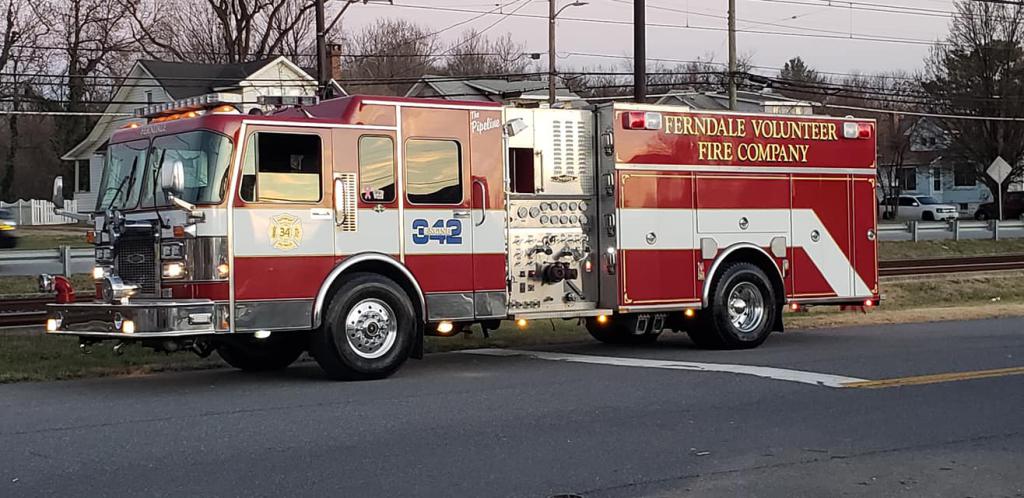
434, 171
282, 167
376, 169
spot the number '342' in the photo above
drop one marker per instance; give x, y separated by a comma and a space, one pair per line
441, 231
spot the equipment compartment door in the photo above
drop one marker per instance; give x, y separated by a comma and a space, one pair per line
821, 252
865, 238
656, 239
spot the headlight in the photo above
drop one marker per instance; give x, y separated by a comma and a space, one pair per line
172, 250
173, 270
99, 272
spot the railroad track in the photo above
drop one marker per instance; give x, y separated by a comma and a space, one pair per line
32, 311
901, 268
23, 311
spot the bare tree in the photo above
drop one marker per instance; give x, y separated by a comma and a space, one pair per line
221, 31
476, 54
392, 54
979, 71
92, 37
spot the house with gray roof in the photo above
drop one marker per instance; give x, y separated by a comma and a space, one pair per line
156, 82
746, 101
527, 93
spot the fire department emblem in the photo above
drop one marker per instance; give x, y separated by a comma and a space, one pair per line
285, 232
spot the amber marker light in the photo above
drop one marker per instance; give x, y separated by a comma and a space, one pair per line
689, 313
521, 323
794, 306
602, 319
445, 328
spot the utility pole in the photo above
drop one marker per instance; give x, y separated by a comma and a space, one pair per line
322, 64
552, 89
732, 55
552, 72
639, 51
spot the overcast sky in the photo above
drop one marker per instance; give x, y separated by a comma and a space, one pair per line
687, 29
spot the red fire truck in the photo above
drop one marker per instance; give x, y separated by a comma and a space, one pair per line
352, 227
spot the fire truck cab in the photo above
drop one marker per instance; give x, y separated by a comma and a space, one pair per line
353, 227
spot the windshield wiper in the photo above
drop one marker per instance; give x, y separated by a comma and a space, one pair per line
129, 180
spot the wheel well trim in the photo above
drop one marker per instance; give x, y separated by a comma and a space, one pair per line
351, 261
724, 255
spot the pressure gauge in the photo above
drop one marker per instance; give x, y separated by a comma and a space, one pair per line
523, 212
583, 206
583, 219
544, 207
563, 207
544, 219
564, 219
573, 206
534, 212
574, 219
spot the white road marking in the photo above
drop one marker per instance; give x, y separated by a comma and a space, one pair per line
799, 376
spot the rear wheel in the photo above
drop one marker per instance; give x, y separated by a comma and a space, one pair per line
368, 330
928, 216
261, 355
981, 215
743, 310
620, 329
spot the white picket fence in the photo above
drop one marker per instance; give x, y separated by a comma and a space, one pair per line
39, 212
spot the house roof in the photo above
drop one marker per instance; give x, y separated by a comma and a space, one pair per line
746, 101
185, 79
488, 89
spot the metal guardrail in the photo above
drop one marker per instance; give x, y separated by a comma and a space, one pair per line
955, 230
63, 256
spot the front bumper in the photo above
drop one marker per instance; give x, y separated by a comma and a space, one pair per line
151, 319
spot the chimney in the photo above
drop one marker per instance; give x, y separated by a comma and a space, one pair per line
334, 54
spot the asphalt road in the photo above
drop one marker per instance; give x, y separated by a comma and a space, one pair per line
584, 419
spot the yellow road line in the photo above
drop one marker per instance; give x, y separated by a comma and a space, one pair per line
935, 379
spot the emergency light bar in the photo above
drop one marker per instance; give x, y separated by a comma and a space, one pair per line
196, 103
288, 100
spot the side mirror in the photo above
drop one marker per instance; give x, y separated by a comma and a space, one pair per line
58, 192
172, 179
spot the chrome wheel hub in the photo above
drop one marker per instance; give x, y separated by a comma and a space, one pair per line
371, 328
746, 308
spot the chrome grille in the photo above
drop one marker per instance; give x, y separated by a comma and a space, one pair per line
135, 260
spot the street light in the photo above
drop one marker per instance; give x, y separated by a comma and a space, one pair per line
552, 16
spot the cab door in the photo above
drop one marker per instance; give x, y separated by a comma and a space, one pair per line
365, 181
281, 227
438, 209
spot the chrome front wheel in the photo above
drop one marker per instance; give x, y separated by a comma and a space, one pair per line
371, 328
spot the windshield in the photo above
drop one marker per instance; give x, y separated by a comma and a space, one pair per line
928, 200
205, 156
122, 176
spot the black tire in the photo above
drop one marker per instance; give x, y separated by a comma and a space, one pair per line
384, 304
619, 330
927, 216
263, 355
981, 215
715, 328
